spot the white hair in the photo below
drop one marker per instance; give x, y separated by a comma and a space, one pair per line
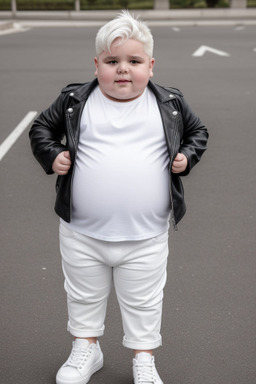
124, 27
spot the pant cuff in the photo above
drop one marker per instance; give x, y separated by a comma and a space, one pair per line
142, 345
85, 332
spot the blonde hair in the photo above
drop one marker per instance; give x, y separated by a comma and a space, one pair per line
124, 27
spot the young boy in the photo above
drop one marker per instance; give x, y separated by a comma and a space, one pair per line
127, 142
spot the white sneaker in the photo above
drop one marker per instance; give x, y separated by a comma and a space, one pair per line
144, 370
85, 359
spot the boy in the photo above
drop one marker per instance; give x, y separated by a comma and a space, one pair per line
127, 142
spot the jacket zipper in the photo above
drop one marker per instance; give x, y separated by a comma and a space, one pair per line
172, 218
73, 167
75, 154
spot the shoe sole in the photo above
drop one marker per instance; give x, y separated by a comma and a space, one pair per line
96, 367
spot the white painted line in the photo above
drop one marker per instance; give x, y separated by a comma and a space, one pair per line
13, 137
203, 49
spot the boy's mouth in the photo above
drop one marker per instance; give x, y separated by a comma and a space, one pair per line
123, 81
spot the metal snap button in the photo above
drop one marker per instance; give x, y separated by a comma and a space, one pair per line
175, 113
70, 110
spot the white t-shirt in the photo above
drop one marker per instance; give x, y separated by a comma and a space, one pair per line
120, 187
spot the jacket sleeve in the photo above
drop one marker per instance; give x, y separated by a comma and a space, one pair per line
47, 133
195, 137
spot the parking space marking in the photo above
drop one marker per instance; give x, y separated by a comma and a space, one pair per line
13, 137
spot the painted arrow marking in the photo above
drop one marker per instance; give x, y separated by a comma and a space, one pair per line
203, 49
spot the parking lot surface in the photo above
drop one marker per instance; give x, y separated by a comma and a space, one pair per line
209, 320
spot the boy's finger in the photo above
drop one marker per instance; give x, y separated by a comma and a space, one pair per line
179, 157
65, 160
67, 155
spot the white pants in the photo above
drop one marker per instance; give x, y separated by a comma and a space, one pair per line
138, 270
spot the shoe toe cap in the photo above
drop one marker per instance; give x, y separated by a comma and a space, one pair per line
68, 373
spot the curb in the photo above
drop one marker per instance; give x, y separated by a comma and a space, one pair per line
163, 17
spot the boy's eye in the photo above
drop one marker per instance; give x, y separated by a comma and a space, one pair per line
112, 62
134, 62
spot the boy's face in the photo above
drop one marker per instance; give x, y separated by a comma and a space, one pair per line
124, 73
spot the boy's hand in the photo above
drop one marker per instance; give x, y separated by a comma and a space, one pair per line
179, 163
62, 163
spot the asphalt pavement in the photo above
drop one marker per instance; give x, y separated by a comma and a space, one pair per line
209, 321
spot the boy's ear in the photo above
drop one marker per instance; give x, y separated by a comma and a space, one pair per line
96, 66
151, 66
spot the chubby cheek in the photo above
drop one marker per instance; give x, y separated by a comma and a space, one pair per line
105, 77
102, 72
141, 79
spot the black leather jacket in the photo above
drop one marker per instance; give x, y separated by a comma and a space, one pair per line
184, 133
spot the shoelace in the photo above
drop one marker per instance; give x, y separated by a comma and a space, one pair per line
145, 373
78, 356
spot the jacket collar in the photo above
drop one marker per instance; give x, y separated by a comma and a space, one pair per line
80, 92
163, 94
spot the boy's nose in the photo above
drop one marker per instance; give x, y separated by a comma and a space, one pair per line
122, 68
